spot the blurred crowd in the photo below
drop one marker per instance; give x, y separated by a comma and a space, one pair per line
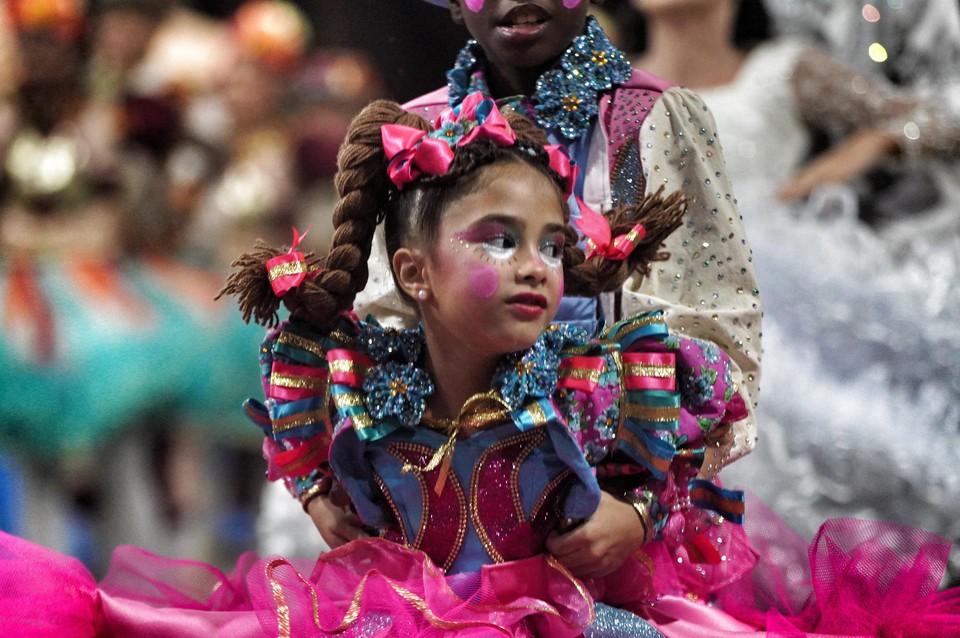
144, 144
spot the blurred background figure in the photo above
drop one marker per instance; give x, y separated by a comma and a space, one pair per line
860, 330
250, 188
88, 332
914, 45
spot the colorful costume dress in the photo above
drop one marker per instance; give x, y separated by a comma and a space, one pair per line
631, 134
463, 519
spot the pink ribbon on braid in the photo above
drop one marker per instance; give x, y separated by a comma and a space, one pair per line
412, 152
288, 270
592, 224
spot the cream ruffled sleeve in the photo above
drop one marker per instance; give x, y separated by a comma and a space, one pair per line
707, 288
380, 297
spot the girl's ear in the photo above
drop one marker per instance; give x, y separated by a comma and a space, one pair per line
409, 270
456, 11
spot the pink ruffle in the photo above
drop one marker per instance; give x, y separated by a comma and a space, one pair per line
44, 593
857, 578
366, 588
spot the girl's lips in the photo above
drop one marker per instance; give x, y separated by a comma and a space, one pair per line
528, 305
522, 32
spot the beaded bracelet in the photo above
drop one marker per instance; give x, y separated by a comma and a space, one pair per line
641, 506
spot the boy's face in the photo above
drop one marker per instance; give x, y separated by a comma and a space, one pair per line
522, 34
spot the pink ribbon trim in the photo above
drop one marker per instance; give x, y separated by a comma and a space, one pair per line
348, 367
290, 382
580, 373
652, 360
287, 271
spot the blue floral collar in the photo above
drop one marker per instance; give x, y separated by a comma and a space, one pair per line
397, 388
566, 98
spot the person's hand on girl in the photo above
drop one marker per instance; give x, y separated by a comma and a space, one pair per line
333, 516
602, 543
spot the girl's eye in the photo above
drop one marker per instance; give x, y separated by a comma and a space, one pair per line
501, 246
552, 251
501, 242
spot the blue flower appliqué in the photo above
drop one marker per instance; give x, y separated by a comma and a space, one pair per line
566, 96
391, 343
398, 390
533, 373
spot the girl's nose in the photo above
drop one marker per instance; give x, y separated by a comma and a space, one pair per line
531, 265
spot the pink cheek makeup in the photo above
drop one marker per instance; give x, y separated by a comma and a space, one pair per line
484, 281
569, 4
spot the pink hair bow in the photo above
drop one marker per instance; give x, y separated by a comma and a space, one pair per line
596, 229
288, 270
592, 224
412, 152
562, 165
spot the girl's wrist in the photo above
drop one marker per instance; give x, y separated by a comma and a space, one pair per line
641, 506
321, 488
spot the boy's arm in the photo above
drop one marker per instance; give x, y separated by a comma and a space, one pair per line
708, 287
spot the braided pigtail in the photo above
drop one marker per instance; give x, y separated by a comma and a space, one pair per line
659, 215
251, 286
525, 129
364, 189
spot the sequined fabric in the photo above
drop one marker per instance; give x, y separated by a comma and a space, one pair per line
707, 288
565, 99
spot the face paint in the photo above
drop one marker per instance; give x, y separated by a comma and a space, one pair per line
476, 5
551, 251
498, 242
485, 281
569, 4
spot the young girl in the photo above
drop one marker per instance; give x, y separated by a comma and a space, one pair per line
630, 133
464, 443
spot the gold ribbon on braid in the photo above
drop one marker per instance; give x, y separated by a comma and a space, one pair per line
478, 412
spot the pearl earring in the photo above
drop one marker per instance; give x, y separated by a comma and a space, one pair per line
422, 294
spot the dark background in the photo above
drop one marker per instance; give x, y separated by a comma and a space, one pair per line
411, 42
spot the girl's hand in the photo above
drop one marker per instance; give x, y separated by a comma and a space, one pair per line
335, 519
602, 543
848, 160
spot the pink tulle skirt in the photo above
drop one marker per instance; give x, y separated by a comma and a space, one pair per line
366, 588
857, 578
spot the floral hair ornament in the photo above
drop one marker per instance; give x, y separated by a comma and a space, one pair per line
412, 152
592, 224
596, 229
288, 270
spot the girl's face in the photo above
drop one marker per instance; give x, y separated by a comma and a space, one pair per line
522, 34
495, 276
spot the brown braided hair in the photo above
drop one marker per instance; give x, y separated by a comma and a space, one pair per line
414, 212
